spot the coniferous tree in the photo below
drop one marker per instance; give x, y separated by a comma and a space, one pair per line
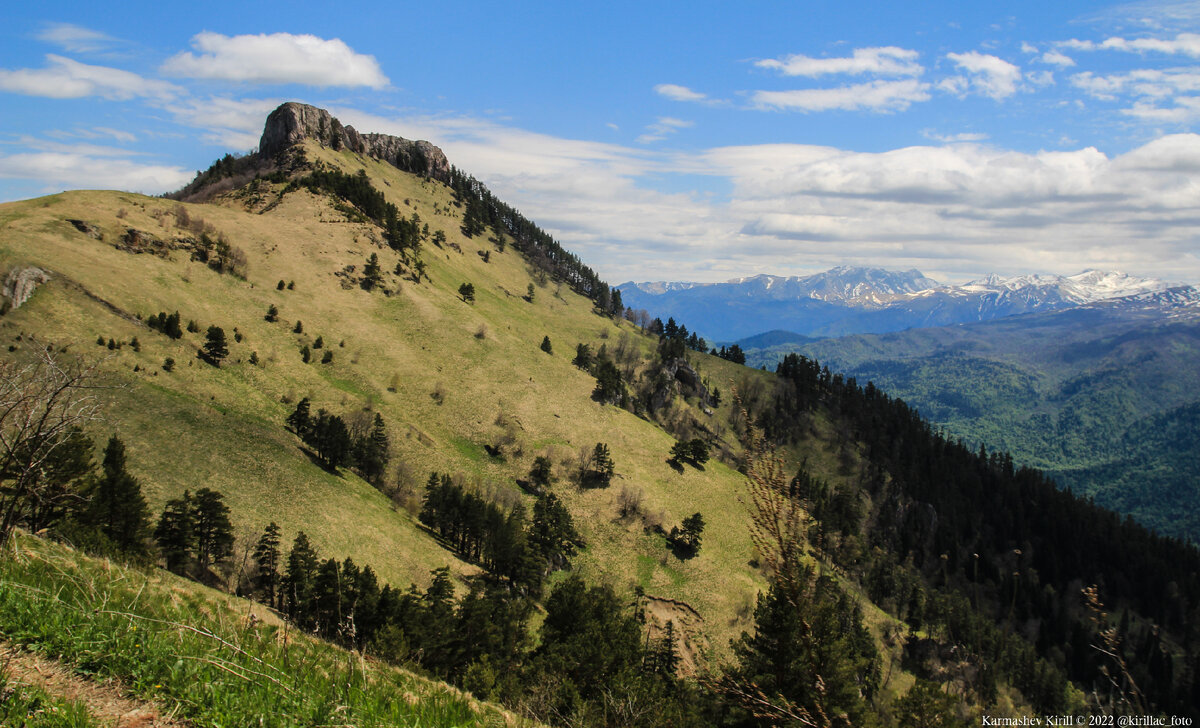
272, 313
267, 558
552, 533
546, 345
597, 471
583, 357
298, 581
541, 472
372, 274
467, 291
117, 507
174, 533
373, 452
215, 348
59, 485
300, 420
212, 533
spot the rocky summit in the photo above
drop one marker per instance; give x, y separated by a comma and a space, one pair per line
292, 123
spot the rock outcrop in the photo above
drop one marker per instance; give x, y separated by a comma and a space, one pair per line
292, 123
20, 285
673, 372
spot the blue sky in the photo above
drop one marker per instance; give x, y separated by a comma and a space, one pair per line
698, 141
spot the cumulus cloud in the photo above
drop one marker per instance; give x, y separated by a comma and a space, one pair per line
1154, 95
276, 58
877, 96
884, 61
79, 169
970, 207
1055, 58
988, 75
63, 78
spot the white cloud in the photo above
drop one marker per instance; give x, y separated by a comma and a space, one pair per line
233, 123
75, 38
969, 207
1040, 78
81, 170
662, 128
1187, 44
954, 138
64, 78
1055, 58
1026, 47
1154, 96
885, 61
988, 75
877, 96
678, 93
276, 58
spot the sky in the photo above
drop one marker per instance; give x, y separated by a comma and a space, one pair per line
672, 141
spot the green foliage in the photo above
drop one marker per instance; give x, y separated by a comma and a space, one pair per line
546, 345
466, 292
215, 348
116, 506
372, 274
685, 540
597, 469
272, 312
694, 451
267, 562
583, 357
167, 324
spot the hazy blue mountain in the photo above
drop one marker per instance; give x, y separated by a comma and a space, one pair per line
848, 300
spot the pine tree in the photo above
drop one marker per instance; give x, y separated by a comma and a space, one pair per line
215, 348
298, 581
174, 533
272, 313
266, 557
300, 420
372, 275
117, 507
546, 345
373, 456
467, 292
212, 532
598, 471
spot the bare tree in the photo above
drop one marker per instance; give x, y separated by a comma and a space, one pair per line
41, 403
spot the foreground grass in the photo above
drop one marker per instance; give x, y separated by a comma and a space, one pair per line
200, 653
29, 707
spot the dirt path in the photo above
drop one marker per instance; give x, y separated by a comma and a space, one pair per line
104, 701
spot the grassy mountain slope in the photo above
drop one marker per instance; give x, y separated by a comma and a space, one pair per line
233, 663
222, 428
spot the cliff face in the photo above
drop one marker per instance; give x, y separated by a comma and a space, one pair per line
292, 123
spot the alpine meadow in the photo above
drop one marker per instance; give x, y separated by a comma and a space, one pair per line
333, 435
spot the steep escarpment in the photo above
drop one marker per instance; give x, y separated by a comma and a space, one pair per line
293, 123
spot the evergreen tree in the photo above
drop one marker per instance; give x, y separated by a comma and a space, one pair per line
598, 470
372, 275
298, 581
373, 452
467, 292
117, 507
610, 387
59, 485
266, 557
541, 472
583, 357
546, 345
686, 540
215, 348
174, 533
552, 533
300, 420
272, 313
212, 533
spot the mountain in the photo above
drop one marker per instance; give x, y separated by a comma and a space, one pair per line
846, 300
1083, 392
559, 510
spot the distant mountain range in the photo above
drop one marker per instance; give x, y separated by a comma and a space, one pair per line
1103, 395
854, 300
